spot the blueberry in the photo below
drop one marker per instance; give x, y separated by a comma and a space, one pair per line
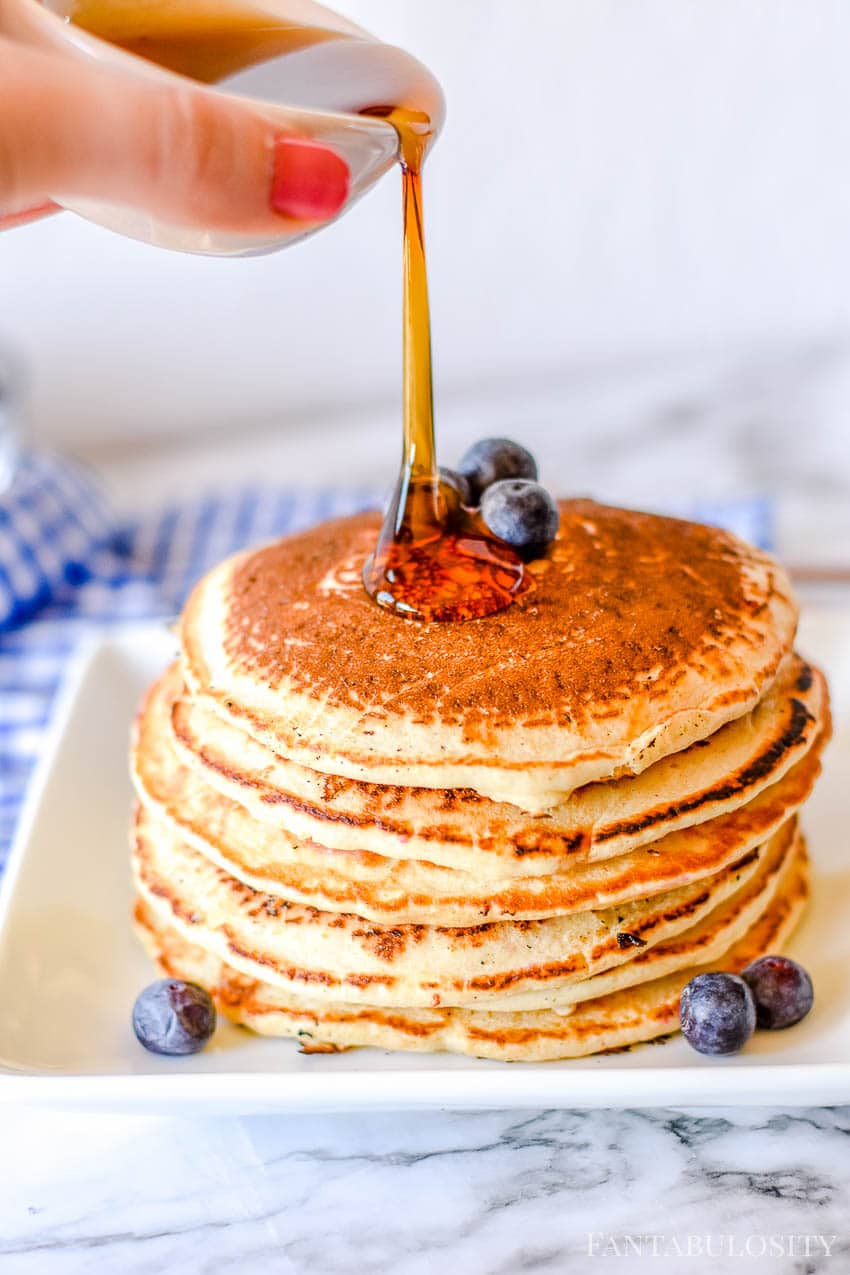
173, 1017
492, 459
717, 1013
522, 513
782, 991
458, 483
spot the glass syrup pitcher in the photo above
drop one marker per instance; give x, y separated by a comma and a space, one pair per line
303, 67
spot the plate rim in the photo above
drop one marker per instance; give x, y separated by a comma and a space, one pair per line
761, 1085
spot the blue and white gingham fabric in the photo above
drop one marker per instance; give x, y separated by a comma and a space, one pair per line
142, 570
52, 519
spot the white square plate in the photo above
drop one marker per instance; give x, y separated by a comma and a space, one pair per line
70, 967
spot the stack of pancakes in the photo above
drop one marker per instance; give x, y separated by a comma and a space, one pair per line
517, 837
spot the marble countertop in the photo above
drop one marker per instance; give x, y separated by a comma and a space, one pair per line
496, 1192
500, 1192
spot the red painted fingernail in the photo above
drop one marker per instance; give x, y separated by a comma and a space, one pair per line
309, 181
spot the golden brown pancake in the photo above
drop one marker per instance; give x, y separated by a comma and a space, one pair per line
706, 940
613, 1021
395, 891
642, 635
460, 829
340, 956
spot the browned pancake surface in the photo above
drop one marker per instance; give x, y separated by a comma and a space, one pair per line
625, 593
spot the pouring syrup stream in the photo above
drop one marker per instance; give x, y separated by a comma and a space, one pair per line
434, 560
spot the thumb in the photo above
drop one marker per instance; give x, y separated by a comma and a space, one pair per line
70, 128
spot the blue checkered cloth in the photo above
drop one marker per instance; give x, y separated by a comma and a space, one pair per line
87, 572
52, 519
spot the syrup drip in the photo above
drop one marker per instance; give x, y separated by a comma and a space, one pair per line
434, 560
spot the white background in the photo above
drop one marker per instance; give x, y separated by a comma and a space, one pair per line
618, 180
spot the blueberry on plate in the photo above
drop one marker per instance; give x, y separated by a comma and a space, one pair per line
782, 991
717, 1013
173, 1017
492, 459
522, 513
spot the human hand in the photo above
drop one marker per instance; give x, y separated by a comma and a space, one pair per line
76, 128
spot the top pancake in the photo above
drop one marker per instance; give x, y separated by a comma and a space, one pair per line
641, 635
